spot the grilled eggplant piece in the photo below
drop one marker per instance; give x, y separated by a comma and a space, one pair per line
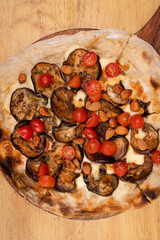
138, 172
67, 134
106, 105
52, 69
104, 185
25, 103
115, 97
151, 139
27, 148
32, 168
122, 147
50, 122
61, 104
85, 72
65, 181
102, 128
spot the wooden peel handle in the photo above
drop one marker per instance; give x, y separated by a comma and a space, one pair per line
151, 31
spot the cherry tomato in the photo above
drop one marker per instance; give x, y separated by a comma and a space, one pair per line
124, 119
37, 125
75, 81
25, 132
155, 156
90, 133
46, 181
112, 70
68, 152
45, 79
93, 146
93, 87
92, 120
96, 97
120, 168
137, 121
108, 148
89, 59
80, 115
43, 170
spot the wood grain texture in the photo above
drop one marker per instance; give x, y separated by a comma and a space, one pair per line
23, 22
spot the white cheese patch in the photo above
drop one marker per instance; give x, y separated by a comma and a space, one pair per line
79, 182
110, 169
133, 157
141, 134
71, 49
105, 61
79, 99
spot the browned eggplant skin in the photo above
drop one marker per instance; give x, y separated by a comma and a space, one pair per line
115, 97
122, 147
85, 72
27, 148
138, 172
108, 105
24, 104
52, 69
104, 186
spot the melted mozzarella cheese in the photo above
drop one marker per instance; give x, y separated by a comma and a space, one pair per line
80, 182
133, 157
71, 49
105, 61
110, 169
79, 99
141, 134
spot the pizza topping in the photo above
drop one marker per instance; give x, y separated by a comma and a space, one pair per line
75, 81
32, 169
137, 121
92, 120
135, 107
120, 168
93, 146
94, 107
68, 152
117, 88
89, 59
70, 166
102, 128
124, 119
109, 109
43, 170
112, 122
37, 125
156, 156
77, 163
122, 147
112, 70
22, 78
24, 104
87, 168
95, 98
90, 133
46, 181
46, 78
115, 97
126, 93
141, 144
121, 130
94, 90
67, 69
80, 115
79, 98
44, 111
102, 116
78, 140
109, 133
25, 132
36, 140
108, 148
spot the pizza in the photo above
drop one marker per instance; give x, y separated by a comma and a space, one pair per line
79, 123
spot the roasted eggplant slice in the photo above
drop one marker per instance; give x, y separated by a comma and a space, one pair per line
122, 147
50, 122
61, 103
104, 185
85, 72
32, 168
67, 134
151, 139
65, 182
27, 148
115, 97
139, 172
106, 105
102, 128
25, 103
57, 80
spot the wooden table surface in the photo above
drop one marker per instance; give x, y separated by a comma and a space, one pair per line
23, 22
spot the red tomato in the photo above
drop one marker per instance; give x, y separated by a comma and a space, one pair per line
37, 125
25, 132
137, 121
93, 87
92, 120
80, 115
75, 81
46, 181
45, 79
112, 70
93, 146
96, 97
120, 168
90, 133
156, 156
43, 170
89, 59
124, 119
108, 148
68, 152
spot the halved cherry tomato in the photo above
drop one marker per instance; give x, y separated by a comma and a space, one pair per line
80, 115
75, 81
45, 79
93, 87
46, 181
89, 59
124, 119
68, 152
155, 156
25, 132
120, 168
93, 146
95, 98
43, 170
112, 70
37, 125
92, 120
90, 133
137, 121
108, 148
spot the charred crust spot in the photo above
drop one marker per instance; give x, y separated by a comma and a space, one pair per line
154, 84
146, 57
152, 194
6, 167
65, 210
49, 201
